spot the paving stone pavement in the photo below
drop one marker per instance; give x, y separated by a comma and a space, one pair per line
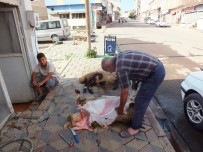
42, 123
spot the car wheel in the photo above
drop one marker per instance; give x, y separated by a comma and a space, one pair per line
193, 107
55, 39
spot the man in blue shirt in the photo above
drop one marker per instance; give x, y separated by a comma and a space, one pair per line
136, 66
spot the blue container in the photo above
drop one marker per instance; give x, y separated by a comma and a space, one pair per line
109, 44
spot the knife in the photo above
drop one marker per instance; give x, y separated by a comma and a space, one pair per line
66, 140
74, 135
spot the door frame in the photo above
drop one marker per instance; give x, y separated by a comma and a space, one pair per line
8, 101
21, 36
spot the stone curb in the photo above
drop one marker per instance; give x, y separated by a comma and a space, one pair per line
159, 131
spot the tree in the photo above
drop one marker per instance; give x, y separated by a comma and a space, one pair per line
132, 15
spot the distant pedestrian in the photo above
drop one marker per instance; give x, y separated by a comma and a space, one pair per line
44, 76
135, 66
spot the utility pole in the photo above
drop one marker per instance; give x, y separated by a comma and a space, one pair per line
87, 13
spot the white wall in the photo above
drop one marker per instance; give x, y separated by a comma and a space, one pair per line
77, 22
30, 45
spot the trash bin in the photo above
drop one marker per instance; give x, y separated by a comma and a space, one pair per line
109, 45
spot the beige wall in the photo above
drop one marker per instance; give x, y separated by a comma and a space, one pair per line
39, 7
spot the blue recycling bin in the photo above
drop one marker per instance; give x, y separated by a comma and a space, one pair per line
109, 45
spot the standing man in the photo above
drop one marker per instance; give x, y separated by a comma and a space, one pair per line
135, 66
44, 76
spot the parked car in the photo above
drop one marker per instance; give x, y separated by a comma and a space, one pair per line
192, 96
146, 19
161, 24
99, 26
54, 30
150, 21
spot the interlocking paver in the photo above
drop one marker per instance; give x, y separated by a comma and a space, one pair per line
92, 136
58, 144
157, 143
67, 149
40, 144
49, 149
130, 149
34, 134
45, 135
151, 135
151, 148
44, 105
110, 145
53, 127
86, 146
137, 144
166, 144
13, 147
61, 121
141, 136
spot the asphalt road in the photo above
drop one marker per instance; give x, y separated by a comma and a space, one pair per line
181, 51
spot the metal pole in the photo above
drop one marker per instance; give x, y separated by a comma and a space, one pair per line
87, 12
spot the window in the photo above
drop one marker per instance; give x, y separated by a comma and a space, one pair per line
49, 25
9, 39
65, 23
64, 16
78, 15
54, 24
43, 26
79, 27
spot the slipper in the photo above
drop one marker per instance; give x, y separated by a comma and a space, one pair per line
126, 134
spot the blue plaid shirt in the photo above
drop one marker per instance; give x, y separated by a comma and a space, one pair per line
134, 65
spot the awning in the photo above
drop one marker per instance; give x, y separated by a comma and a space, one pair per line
60, 12
67, 12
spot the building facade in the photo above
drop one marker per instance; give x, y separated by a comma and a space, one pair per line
74, 11
101, 11
39, 7
186, 12
137, 7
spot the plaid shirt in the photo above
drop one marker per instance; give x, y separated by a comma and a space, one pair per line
134, 65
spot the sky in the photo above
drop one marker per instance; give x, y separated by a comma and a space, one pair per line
128, 5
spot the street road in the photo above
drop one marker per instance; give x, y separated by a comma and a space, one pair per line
181, 51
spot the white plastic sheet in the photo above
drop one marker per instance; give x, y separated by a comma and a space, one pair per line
102, 110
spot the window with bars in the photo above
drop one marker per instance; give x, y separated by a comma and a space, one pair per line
64, 16
78, 15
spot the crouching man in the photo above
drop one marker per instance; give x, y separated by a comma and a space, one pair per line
44, 77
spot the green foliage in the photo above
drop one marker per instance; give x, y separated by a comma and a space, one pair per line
68, 56
91, 53
131, 15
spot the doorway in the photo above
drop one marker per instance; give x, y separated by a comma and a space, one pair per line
13, 56
5, 102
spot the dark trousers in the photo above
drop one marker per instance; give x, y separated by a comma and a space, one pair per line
145, 94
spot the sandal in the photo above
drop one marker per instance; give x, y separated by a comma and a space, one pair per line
126, 134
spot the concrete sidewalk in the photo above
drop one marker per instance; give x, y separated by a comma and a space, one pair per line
42, 123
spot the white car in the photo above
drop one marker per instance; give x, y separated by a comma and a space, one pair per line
161, 24
192, 96
150, 21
